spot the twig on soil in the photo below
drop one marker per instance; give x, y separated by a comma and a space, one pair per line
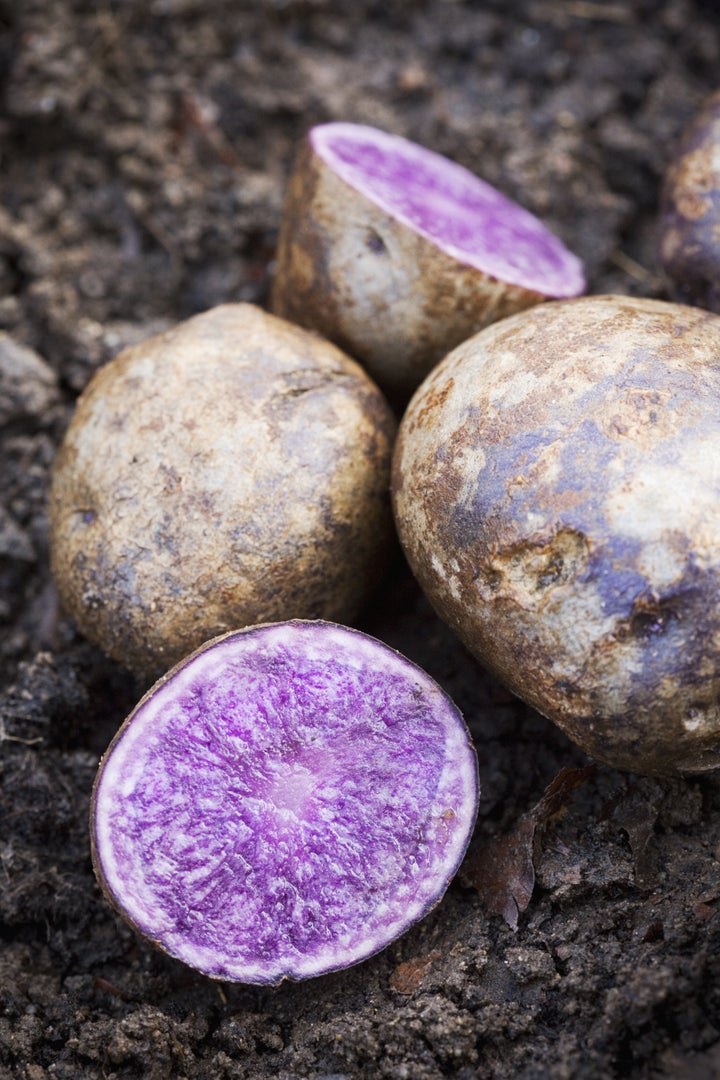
633, 268
587, 9
6, 737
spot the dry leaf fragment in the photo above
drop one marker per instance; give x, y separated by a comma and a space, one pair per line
407, 977
503, 870
636, 816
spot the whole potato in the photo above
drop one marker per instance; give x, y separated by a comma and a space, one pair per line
690, 212
397, 254
556, 486
234, 470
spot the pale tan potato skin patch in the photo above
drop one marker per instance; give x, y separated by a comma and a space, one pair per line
366, 281
556, 487
231, 471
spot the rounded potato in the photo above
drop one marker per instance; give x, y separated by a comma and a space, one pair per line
556, 486
231, 471
690, 212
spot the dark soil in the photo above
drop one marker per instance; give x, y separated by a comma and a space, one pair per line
144, 148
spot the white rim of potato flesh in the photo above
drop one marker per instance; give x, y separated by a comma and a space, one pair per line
124, 767
527, 253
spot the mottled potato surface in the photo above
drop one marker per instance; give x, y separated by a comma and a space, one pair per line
231, 471
556, 485
398, 254
690, 212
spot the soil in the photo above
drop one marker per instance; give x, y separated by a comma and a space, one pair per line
144, 150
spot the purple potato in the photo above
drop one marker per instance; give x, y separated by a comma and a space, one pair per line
690, 212
557, 492
234, 470
398, 254
285, 802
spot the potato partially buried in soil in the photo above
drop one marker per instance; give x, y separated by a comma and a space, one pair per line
234, 470
556, 486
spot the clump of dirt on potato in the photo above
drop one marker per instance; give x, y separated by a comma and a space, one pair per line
398, 254
690, 212
233, 470
557, 494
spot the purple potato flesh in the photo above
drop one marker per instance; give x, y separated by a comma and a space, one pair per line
285, 802
397, 254
465, 216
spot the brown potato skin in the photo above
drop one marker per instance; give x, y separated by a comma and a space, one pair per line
689, 227
557, 493
387, 295
231, 471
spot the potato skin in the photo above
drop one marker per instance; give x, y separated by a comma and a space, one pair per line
557, 493
231, 471
387, 295
689, 225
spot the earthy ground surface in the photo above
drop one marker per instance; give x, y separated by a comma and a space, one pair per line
144, 148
